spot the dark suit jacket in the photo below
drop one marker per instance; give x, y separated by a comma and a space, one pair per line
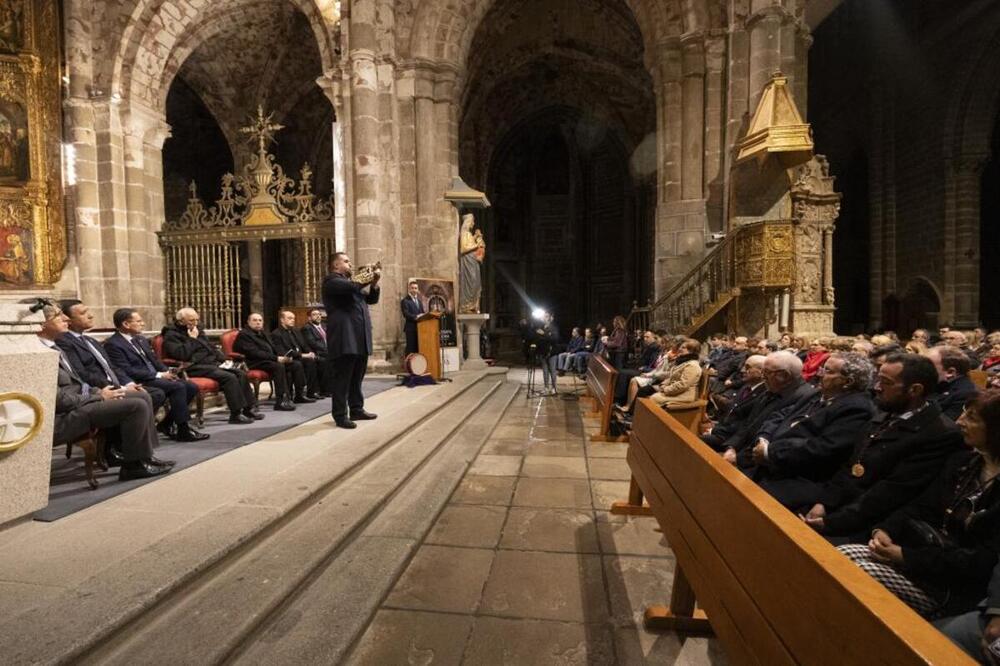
127, 361
289, 340
314, 341
898, 463
769, 405
952, 396
648, 357
81, 357
813, 441
743, 405
69, 396
257, 347
199, 352
348, 324
410, 311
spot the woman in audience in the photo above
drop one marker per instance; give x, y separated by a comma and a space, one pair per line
617, 343
818, 353
937, 552
991, 362
681, 384
800, 347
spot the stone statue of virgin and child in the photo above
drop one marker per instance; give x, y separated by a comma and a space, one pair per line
471, 252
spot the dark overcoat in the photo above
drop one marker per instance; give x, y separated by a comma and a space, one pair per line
348, 324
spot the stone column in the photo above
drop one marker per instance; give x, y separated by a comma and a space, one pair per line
334, 89
693, 154
715, 108
961, 235
425, 128
255, 272
764, 25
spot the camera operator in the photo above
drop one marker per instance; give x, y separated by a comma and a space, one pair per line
545, 337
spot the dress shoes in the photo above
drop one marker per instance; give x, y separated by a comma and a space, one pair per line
236, 417
344, 422
167, 429
162, 463
141, 469
303, 399
363, 416
186, 433
284, 406
113, 458
253, 413
315, 396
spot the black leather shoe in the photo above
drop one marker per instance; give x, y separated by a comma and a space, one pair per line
186, 433
168, 430
140, 469
253, 414
113, 458
236, 417
303, 399
315, 396
284, 406
162, 463
345, 423
363, 416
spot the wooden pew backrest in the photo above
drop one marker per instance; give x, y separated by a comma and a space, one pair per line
774, 591
601, 378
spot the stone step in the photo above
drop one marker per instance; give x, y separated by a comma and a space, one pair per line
327, 617
212, 616
71, 623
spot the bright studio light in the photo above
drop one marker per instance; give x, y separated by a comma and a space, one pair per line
538, 314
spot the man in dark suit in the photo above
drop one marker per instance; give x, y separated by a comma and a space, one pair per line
349, 337
260, 353
814, 437
131, 355
314, 335
954, 387
93, 366
895, 458
185, 341
412, 308
747, 397
81, 408
783, 378
288, 340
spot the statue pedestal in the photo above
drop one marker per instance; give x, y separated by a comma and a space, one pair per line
28, 373
473, 323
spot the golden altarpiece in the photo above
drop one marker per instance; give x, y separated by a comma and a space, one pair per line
263, 245
32, 233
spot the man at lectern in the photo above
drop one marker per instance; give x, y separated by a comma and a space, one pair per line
411, 308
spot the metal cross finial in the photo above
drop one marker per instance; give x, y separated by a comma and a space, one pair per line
262, 129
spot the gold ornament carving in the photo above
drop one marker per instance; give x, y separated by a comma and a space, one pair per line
21, 418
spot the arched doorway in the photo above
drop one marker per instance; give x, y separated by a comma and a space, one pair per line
557, 103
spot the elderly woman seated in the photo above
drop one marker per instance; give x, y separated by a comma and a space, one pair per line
937, 553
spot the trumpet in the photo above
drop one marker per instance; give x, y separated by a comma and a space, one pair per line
365, 275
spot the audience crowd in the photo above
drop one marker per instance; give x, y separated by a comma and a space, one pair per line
888, 448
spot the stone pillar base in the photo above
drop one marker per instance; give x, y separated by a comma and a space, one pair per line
812, 320
473, 323
28, 373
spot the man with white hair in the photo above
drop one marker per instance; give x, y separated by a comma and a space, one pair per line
185, 341
739, 408
785, 387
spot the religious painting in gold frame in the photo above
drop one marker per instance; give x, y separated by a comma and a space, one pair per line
32, 232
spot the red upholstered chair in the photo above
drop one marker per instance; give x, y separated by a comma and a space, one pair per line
256, 377
206, 386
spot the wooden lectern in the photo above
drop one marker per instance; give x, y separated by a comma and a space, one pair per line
429, 342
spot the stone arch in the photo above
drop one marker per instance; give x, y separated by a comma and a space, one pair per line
973, 112
155, 28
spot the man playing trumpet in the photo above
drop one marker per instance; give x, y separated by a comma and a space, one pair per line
349, 335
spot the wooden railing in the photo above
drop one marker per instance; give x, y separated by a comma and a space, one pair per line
711, 282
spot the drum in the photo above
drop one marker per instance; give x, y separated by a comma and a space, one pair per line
416, 364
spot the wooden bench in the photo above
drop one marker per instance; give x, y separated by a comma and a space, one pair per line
689, 415
773, 590
601, 378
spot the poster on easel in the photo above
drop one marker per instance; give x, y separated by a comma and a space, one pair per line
438, 295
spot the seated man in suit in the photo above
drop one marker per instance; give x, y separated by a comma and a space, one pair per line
749, 394
184, 341
132, 355
785, 387
815, 437
287, 340
93, 366
314, 335
255, 344
954, 387
81, 408
411, 308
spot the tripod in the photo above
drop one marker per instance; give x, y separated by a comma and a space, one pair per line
533, 365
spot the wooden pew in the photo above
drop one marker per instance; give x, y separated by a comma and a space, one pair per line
689, 415
601, 378
772, 590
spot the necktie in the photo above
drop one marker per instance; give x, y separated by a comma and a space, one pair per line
143, 356
112, 377
68, 367
322, 331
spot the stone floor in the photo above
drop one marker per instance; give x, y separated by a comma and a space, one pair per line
526, 566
